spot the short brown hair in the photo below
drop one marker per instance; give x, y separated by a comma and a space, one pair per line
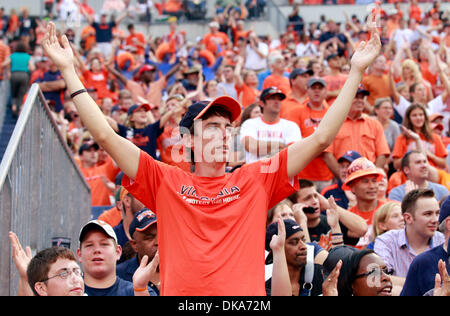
409, 200
39, 265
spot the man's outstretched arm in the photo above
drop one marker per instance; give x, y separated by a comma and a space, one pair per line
124, 153
302, 152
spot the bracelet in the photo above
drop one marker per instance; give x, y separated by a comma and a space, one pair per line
337, 234
140, 290
73, 95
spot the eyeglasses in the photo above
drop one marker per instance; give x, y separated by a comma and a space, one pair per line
65, 273
375, 272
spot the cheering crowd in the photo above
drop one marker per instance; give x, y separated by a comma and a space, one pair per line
331, 140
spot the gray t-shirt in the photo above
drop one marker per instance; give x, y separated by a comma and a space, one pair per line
391, 133
398, 193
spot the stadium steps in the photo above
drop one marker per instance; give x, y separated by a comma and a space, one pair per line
9, 122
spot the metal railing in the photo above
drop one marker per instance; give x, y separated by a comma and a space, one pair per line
43, 194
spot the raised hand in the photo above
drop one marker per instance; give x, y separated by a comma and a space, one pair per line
332, 213
277, 242
329, 286
20, 257
367, 51
444, 288
62, 56
147, 272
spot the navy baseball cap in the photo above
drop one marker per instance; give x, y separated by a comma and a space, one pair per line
136, 107
445, 210
197, 110
350, 156
141, 221
300, 71
268, 92
362, 90
87, 146
292, 227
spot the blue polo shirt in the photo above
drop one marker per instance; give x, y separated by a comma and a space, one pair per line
422, 271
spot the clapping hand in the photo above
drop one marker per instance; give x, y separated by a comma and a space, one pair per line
367, 51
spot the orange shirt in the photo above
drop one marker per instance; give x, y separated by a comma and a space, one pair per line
247, 95
113, 216
415, 13
377, 86
289, 104
97, 80
368, 217
308, 120
134, 39
364, 135
214, 227
99, 192
281, 82
212, 40
403, 145
334, 83
396, 179
89, 40
4, 53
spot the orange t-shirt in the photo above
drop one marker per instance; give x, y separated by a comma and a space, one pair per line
97, 80
289, 104
5, 52
308, 120
364, 135
415, 13
139, 38
377, 86
89, 40
247, 95
281, 82
212, 40
403, 145
113, 216
368, 217
396, 179
214, 227
99, 192
334, 83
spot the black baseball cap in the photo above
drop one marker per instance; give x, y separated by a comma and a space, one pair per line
87, 146
270, 92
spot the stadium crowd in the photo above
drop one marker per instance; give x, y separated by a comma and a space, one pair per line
373, 204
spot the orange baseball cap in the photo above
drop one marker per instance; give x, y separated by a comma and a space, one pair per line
359, 168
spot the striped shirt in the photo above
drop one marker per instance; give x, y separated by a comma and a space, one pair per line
395, 251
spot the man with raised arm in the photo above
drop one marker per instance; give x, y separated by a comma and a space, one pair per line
210, 221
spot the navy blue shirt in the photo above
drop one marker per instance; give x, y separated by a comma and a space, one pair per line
422, 271
57, 95
126, 270
103, 32
145, 138
119, 288
336, 191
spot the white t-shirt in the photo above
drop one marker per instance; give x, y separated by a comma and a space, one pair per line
253, 61
284, 131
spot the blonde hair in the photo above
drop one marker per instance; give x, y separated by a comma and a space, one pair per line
411, 64
381, 216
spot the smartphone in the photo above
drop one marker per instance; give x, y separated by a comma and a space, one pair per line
309, 210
